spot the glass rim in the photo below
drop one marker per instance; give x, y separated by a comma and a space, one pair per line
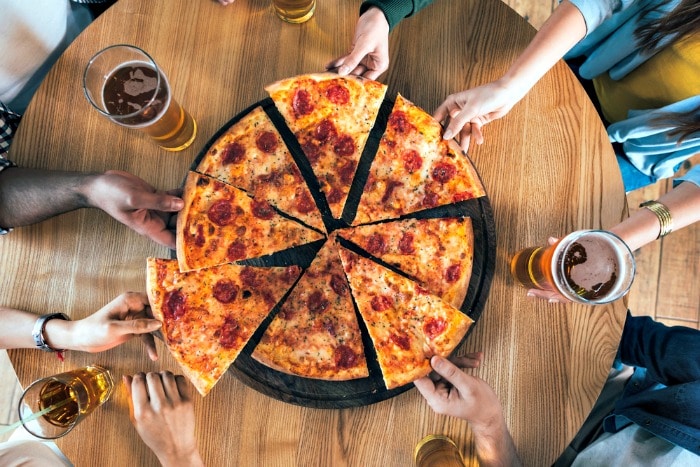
36, 419
137, 112
565, 288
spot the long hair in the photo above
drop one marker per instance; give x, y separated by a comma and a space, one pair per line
682, 21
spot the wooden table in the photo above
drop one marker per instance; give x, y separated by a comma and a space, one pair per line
547, 166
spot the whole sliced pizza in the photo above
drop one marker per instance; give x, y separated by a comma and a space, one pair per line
329, 234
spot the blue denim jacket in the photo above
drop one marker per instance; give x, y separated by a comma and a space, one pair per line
663, 395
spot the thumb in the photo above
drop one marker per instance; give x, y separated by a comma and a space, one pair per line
159, 202
352, 59
445, 368
139, 326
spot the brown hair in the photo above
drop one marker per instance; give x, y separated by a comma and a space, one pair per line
682, 21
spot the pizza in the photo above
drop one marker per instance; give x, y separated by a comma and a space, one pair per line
331, 117
438, 253
209, 315
252, 156
220, 224
316, 334
415, 168
271, 256
407, 324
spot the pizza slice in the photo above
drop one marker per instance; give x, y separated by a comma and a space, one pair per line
406, 323
414, 168
209, 315
221, 224
251, 156
316, 334
437, 253
331, 117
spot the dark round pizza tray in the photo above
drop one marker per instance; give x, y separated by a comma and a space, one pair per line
341, 394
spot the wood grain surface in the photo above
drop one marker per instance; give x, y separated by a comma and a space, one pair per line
547, 167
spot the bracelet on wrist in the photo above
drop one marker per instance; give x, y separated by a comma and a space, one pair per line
663, 214
40, 326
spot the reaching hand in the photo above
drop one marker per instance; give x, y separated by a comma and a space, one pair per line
369, 55
552, 296
161, 410
136, 204
115, 323
466, 112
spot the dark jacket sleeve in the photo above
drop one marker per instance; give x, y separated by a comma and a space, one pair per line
396, 10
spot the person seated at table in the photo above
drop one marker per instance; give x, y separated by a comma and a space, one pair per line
648, 413
642, 57
160, 407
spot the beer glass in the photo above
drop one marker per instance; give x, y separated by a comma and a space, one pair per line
51, 407
437, 451
126, 85
587, 266
294, 11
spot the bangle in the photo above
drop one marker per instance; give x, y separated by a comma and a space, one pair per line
663, 214
38, 331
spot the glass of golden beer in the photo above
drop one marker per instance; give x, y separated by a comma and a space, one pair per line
126, 85
294, 11
592, 267
51, 407
437, 451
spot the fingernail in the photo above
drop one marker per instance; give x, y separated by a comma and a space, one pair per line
530, 294
448, 134
436, 361
553, 300
343, 70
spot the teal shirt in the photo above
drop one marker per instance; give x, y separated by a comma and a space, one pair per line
395, 10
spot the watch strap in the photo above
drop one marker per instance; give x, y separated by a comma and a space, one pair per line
38, 331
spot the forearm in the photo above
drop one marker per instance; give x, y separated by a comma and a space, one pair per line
494, 446
17, 326
643, 226
28, 196
562, 30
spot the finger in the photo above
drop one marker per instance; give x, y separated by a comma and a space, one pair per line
465, 136
156, 390
170, 386
550, 296
156, 201
164, 236
476, 132
443, 111
426, 387
472, 360
137, 326
457, 123
183, 388
373, 74
449, 371
150, 344
138, 394
552, 240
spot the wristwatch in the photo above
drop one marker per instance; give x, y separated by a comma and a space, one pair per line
38, 331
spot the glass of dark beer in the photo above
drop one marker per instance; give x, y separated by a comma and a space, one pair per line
126, 85
592, 267
51, 407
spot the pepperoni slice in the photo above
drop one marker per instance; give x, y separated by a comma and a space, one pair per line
301, 103
406, 245
443, 172
304, 203
338, 94
344, 357
376, 244
236, 251
381, 303
344, 146
347, 171
312, 151
433, 327
339, 284
229, 333
250, 278
262, 210
225, 291
401, 340
291, 273
398, 121
317, 303
334, 196
453, 273
431, 200
325, 131
412, 161
266, 142
175, 305
233, 153
220, 213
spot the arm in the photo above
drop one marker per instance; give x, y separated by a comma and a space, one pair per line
28, 196
161, 410
469, 110
115, 323
467, 397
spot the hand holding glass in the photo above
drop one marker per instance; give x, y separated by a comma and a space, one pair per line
51, 407
587, 266
126, 85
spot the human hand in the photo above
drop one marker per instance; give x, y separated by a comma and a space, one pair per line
552, 296
115, 323
160, 407
466, 112
135, 203
369, 54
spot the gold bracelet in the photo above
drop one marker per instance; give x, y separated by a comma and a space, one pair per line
663, 214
